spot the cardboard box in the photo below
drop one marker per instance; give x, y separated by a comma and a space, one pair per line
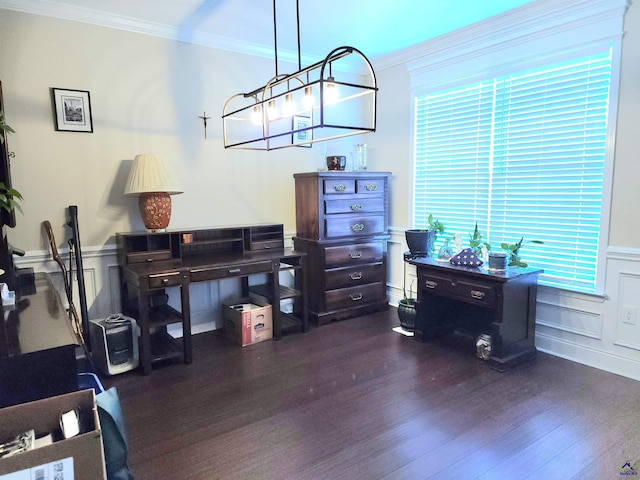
248, 321
80, 457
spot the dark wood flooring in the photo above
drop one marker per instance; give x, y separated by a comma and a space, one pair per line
355, 400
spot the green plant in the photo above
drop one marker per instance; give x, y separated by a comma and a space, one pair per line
9, 197
476, 243
435, 226
513, 250
404, 292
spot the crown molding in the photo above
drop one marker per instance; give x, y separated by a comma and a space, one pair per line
520, 25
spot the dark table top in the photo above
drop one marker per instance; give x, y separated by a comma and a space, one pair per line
37, 322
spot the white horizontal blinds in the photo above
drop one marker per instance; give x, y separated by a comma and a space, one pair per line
523, 155
452, 153
549, 158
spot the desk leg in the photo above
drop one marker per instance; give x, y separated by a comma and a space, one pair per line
275, 294
186, 320
145, 335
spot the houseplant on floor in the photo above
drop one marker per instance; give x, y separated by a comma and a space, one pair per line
407, 310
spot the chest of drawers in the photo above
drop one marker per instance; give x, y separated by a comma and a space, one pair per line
342, 224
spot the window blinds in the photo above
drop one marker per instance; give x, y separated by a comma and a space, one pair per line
523, 155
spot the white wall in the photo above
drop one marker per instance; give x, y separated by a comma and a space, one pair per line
146, 95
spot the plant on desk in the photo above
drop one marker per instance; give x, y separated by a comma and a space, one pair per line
513, 250
421, 240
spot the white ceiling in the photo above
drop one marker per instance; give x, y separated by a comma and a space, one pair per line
377, 28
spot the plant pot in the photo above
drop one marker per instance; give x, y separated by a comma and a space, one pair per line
407, 313
420, 241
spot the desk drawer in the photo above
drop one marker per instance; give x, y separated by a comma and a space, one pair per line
464, 290
160, 280
354, 296
354, 205
356, 275
354, 225
352, 254
147, 257
213, 273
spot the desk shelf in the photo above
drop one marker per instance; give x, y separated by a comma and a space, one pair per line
165, 347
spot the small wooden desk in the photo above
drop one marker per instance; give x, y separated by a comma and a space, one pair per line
151, 262
470, 301
37, 347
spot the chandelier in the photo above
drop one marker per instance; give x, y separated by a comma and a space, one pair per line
308, 106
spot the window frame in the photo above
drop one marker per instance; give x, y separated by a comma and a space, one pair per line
492, 49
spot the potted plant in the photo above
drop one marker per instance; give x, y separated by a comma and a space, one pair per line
477, 244
407, 310
9, 197
421, 240
513, 250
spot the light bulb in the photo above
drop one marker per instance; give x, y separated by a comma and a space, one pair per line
288, 108
256, 116
308, 101
331, 93
272, 111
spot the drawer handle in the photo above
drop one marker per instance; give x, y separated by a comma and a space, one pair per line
150, 259
356, 296
357, 227
430, 284
356, 207
371, 187
165, 281
355, 255
341, 187
234, 270
477, 294
356, 275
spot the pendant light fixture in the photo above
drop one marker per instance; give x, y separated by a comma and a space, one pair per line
311, 105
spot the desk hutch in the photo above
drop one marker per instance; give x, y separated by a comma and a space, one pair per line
151, 262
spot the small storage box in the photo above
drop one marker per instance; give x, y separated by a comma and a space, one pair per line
248, 321
80, 457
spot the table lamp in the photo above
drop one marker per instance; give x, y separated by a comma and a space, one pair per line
153, 181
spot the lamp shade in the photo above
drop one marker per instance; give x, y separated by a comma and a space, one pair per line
149, 173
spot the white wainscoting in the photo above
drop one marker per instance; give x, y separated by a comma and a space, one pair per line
589, 329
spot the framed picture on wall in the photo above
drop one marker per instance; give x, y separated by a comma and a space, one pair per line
72, 110
301, 138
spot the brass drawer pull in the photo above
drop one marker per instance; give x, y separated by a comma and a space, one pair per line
356, 207
356, 275
355, 255
371, 187
357, 227
430, 284
165, 280
356, 296
341, 187
234, 270
477, 294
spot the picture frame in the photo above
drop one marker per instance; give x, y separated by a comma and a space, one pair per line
303, 138
72, 110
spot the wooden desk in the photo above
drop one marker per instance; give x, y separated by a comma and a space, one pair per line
151, 262
37, 347
470, 301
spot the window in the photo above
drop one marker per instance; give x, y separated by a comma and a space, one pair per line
523, 155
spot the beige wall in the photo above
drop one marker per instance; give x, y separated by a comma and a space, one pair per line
146, 95
625, 229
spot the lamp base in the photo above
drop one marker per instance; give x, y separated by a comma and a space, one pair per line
155, 209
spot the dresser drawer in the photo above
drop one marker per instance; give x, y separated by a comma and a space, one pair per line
148, 257
355, 275
370, 185
354, 205
464, 290
354, 225
338, 186
354, 296
267, 245
351, 254
213, 273
169, 279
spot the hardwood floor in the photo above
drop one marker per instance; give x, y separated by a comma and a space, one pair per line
355, 400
